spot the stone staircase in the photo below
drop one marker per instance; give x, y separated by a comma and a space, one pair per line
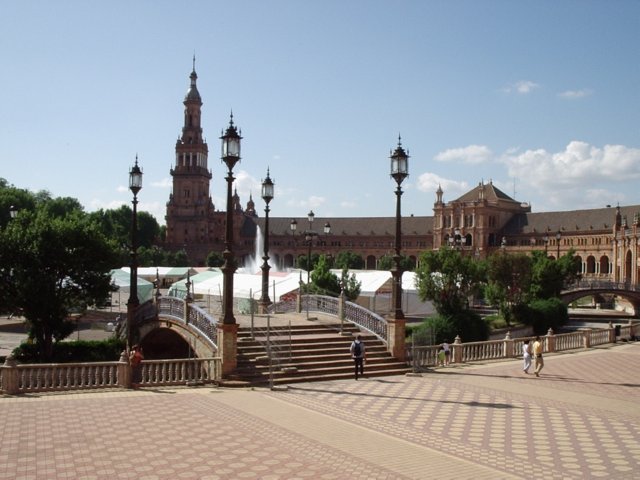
307, 353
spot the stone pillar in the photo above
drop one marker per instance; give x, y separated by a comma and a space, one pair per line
551, 341
228, 346
396, 338
299, 300
586, 337
508, 345
124, 371
9, 376
457, 350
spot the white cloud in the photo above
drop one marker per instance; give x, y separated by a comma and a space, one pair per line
429, 182
472, 154
580, 174
522, 87
348, 204
576, 94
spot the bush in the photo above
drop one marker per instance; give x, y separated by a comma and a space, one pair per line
74, 352
435, 330
543, 315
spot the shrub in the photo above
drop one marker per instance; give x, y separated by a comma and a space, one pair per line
543, 314
74, 352
435, 330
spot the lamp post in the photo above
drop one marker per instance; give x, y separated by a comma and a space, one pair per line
267, 196
13, 212
399, 171
457, 241
135, 185
293, 226
230, 156
546, 245
309, 235
558, 237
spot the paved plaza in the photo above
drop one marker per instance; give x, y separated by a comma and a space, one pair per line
580, 419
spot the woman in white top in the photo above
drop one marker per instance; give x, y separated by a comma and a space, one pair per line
526, 355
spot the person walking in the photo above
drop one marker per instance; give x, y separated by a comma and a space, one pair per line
447, 353
526, 355
358, 353
135, 360
537, 353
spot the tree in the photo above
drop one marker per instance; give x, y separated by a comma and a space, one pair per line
51, 266
508, 282
386, 263
349, 260
215, 259
447, 278
549, 276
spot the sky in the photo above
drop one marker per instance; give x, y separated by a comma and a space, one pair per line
540, 97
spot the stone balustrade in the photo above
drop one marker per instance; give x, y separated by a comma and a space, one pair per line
50, 377
426, 356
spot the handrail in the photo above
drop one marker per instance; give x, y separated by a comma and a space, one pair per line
199, 319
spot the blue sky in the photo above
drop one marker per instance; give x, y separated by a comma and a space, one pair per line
541, 97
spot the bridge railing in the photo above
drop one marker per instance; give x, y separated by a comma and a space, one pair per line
353, 313
52, 377
198, 318
594, 284
426, 356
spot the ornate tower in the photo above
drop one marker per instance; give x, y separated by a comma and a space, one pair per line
190, 210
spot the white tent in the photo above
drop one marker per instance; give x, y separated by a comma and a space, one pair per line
122, 280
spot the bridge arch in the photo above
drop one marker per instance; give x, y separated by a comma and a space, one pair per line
625, 290
167, 337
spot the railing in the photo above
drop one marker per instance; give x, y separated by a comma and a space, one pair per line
180, 372
51, 377
320, 303
589, 284
69, 376
474, 351
199, 319
426, 356
366, 319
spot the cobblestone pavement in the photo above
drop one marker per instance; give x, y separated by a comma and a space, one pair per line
580, 419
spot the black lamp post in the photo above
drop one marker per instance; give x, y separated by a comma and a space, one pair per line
546, 245
309, 234
558, 237
135, 185
399, 171
267, 196
230, 156
294, 226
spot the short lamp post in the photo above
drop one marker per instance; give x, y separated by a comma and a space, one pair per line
399, 171
135, 185
230, 156
267, 196
309, 235
558, 237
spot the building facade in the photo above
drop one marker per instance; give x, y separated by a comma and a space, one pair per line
481, 222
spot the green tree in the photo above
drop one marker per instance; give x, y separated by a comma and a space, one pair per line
323, 280
406, 263
215, 259
352, 287
508, 282
447, 278
51, 266
550, 276
349, 260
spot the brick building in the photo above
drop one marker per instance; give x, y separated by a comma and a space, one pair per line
480, 222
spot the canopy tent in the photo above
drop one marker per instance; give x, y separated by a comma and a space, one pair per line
122, 279
167, 275
179, 288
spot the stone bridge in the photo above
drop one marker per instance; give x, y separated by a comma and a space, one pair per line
627, 290
171, 327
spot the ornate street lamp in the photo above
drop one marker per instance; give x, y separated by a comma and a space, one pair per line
267, 196
399, 171
13, 212
558, 237
546, 245
135, 185
230, 156
309, 234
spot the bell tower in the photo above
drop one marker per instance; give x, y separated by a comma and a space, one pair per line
190, 207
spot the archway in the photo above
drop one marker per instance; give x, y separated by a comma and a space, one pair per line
164, 343
591, 264
604, 265
627, 267
371, 262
